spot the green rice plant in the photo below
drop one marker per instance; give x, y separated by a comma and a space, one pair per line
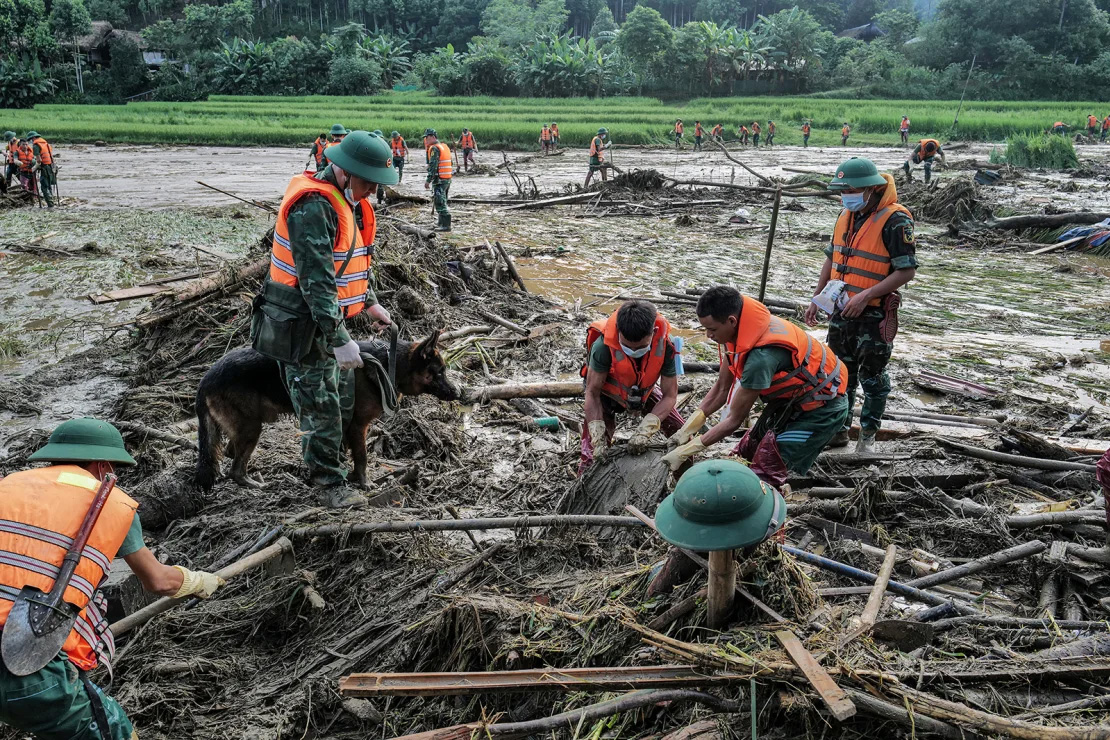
1041, 151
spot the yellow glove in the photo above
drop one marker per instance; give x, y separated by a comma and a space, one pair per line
197, 583
682, 453
647, 429
692, 426
599, 437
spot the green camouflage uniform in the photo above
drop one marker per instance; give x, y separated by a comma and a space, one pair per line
46, 179
859, 343
439, 187
322, 394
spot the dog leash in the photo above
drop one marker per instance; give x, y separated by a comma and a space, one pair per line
394, 332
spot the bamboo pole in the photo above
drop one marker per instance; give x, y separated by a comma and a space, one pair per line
722, 588
770, 244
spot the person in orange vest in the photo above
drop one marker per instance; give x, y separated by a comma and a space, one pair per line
844, 134
25, 155
716, 133
805, 134
545, 139
873, 254
41, 511
469, 147
924, 153
1060, 128
320, 276
630, 366
598, 145
400, 152
697, 136
439, 176
554, 136
44, 162
11, 160
770, 133
316, 153
904, 129
1105, 128
338, 132
801, 381
755, 133
1092, 124
742, 134
677, 133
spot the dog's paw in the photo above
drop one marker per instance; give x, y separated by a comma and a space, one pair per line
247, 482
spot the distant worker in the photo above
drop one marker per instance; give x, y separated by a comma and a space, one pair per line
755, 134
1060, 127
770, 133
469, 147
717, 133
11, 159
677, 132
316, 153
400, 153
554, 136
845, 132
904, 129
1105, 128
923, 153
439, 176
1092, 124
805, 134
873, 252
26, 155
42, 510
630, 366
44, 162
545, 139
698, 133
742, 134
598, 145
338, 131
800, 380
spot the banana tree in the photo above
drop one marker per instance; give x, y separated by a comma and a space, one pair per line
391, 54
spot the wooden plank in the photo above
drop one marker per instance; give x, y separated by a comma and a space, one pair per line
538, 679
875, 600
722, 588
1059, 245
832, 695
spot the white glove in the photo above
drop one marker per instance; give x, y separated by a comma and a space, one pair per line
599, 437
197, 583
682, 453
378, 312
692, 426
348, 355
647, 429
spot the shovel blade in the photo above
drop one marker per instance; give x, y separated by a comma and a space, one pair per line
34, 632
905, 635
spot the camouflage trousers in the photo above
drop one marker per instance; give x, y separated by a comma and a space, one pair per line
323, 399
439, 196
47, 178
56, 703
865, 353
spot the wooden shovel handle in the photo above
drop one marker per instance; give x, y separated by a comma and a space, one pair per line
73, 555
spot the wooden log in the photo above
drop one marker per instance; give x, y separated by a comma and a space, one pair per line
834, 697
722, 588
500, 321
678, 611
1085, 647
770, 244
466, 331
144, 615
408, 228
143, 430
706, 729
1037, 221
1019, 460
1009, 555
1102, 701
875, 599
224, 280
560, 201
511, 265
462, 525
921, 724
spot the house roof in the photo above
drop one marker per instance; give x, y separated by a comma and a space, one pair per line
103, 33
868, 32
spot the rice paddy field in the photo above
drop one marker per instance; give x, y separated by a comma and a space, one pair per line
514, 123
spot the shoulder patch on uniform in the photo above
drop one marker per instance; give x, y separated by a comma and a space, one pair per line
907, 232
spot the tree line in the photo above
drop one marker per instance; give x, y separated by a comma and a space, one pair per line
993, 49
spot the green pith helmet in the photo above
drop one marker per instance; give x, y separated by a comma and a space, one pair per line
339, 130
720, 505
857, 172
31, 135
395, 134
603, 132
430, 132
84, 440
364, 155
9, 135
377, 132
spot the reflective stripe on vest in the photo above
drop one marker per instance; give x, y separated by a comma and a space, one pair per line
865, 262
353, 284
46, 153
40, 512
545, 134
26, 155
399, 148
597, 149
467, 141
818, 375
628, 376
444, 171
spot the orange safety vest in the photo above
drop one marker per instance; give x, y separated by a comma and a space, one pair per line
41, 511
770, 128
697, 129
1106, 123
467, 140
629, 378
332, 143
678, 128
744, 130
444, 159
26, 154
845, 131
805, 129
717, 130
12, 154
318, 148
1059, 124
905, 125
46, 154
353, 246
755, 128
597, 149
554, 131
818, 375
399, 147
929, 148
545, 134
1092, 121
860, 257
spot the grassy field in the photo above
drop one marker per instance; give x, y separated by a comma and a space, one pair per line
516, 122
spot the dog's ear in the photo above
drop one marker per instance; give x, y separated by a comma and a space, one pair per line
426, 350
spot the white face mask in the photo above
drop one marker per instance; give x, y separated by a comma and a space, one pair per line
635, 353
349, 195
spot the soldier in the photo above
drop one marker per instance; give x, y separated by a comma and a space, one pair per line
770, 133
439, 176
598, 145
319, 276
469, 146
44, 161
874, 254
41, 511
805, 134
699, 132
400, 151
924, 153
338, 131
316, 153
11, 159
554, 136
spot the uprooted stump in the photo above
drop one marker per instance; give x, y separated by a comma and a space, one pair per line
618, 478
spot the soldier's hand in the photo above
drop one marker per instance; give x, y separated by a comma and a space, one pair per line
856, 305
381, 316
197, 583
811, 314
348, 356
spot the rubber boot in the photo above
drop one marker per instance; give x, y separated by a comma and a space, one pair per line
866, 442
444, 222
344, 497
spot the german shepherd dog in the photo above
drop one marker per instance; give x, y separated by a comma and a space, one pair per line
245, 390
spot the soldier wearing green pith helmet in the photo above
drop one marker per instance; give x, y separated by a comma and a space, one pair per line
338, 131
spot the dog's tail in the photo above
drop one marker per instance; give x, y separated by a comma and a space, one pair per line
209, 438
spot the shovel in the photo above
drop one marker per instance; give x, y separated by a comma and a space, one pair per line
39, 623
